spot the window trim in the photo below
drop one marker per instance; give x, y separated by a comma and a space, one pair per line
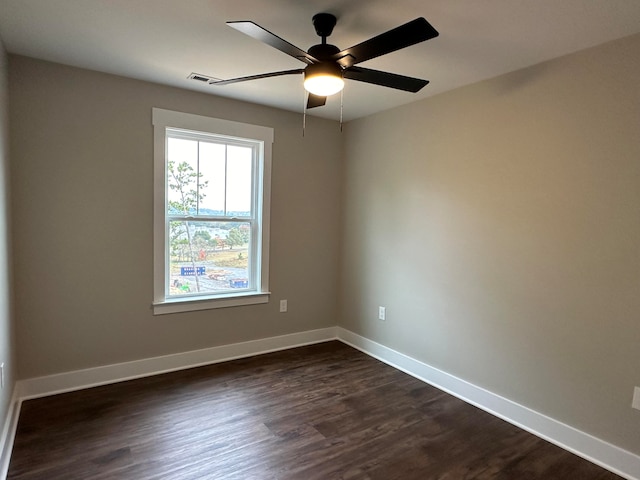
163, 119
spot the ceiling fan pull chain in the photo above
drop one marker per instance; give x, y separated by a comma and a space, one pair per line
304, 113
341, 107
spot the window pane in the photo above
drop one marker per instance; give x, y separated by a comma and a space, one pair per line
239, 160
212, 170
209, 257
182, 176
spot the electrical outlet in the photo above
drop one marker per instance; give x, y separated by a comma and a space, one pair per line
635, 403
283, 305
382, 313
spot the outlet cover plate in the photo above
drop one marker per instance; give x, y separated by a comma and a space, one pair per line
636, 398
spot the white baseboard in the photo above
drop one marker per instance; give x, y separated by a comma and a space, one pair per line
9, 433
614, 459
93, 377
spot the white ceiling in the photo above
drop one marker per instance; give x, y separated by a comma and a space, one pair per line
164, 41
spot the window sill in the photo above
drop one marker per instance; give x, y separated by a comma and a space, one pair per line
191, 305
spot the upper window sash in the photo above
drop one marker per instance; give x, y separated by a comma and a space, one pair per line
233, 166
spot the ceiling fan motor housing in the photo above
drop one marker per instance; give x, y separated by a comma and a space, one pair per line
323, 51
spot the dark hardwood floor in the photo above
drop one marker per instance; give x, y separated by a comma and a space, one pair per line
324, 411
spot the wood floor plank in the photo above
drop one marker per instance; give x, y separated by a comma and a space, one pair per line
320, 412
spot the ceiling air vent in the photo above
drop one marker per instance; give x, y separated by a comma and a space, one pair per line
201, 78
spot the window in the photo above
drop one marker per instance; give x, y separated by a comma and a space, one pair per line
211, 212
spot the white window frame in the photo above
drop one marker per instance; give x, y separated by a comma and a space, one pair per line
167, 119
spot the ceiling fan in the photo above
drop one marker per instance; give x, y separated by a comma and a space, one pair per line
328, 66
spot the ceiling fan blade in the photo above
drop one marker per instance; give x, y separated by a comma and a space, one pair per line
410, 33
256, 31
315, 101
391, 80
256, 77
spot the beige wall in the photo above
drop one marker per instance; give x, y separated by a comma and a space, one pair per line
82, 197
500, 225
6, 328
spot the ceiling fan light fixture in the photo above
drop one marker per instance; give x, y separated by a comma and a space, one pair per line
323, 79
